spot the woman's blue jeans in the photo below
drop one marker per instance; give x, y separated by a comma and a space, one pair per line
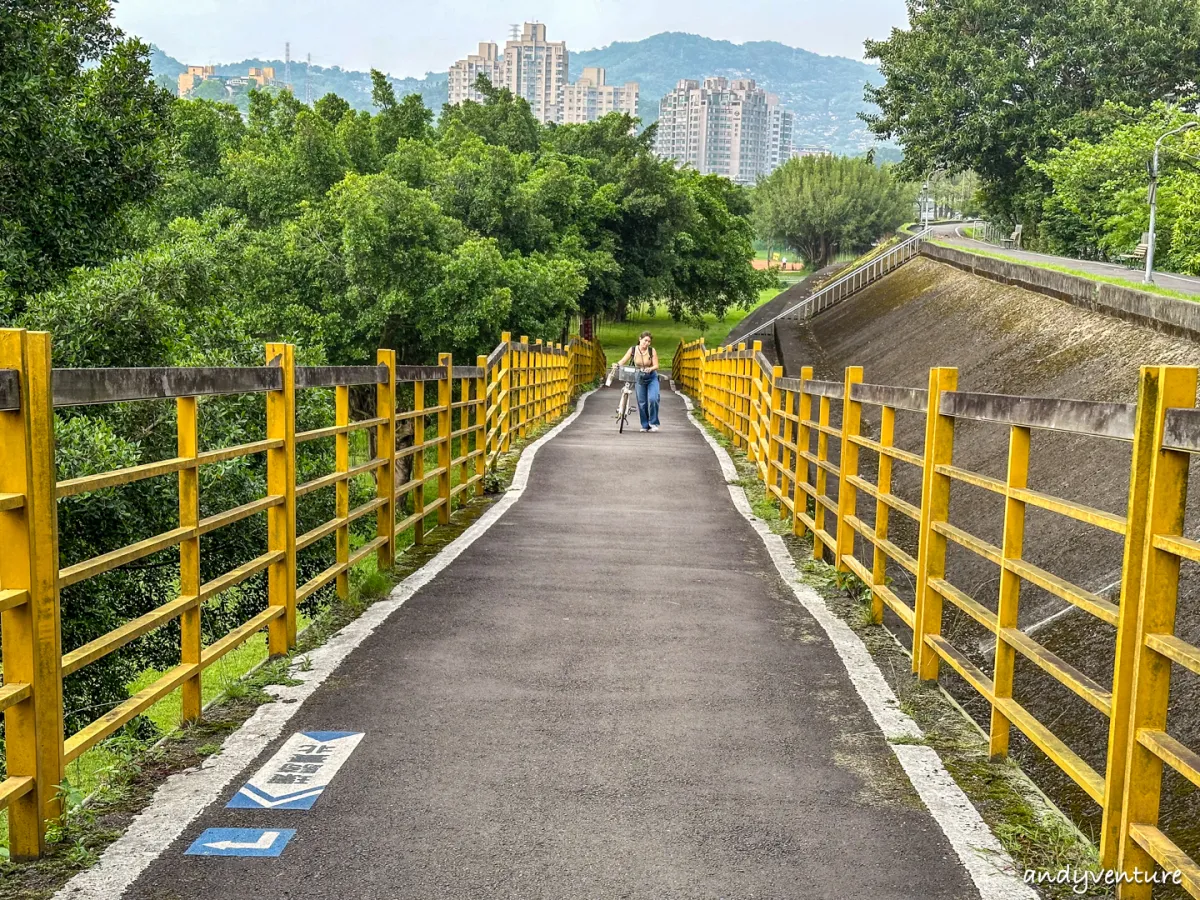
647, 398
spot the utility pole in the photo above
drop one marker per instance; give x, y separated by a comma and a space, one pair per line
307, 66
287, 64
1149, 277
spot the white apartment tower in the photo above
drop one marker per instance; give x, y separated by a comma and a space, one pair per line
780, 127
723, 127
590, 98
463, 73
536, 69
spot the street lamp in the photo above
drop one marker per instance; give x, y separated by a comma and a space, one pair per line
1149, 278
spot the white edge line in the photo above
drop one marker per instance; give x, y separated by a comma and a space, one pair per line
986, 861
183, 796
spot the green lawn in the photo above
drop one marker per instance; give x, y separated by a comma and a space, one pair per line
617, 337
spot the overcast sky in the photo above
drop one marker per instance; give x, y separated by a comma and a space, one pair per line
408, 38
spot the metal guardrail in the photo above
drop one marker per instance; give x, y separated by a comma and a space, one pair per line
850, 283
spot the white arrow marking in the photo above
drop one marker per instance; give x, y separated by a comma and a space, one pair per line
268, 804
265, 841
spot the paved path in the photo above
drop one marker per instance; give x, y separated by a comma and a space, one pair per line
953, 234
606, 695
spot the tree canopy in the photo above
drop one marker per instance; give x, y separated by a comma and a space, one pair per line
79, 140
991, 85
819, 205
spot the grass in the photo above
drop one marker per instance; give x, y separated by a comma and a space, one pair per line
617, 337
1067, 270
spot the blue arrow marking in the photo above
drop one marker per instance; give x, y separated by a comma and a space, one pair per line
241, 842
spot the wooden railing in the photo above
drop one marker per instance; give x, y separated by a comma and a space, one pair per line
821, 496
476, 410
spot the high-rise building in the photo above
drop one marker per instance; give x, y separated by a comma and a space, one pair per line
530, 66
487, 62
719, 127
536, 69
590, 98
780, 127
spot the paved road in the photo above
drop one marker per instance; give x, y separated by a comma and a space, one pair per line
604, 696
953, 234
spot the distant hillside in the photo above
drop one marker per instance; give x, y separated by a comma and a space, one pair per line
354, 87
825, 92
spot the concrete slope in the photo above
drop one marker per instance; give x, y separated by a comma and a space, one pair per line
1011, 341
604, 696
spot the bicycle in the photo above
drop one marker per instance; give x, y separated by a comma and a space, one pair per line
627, 405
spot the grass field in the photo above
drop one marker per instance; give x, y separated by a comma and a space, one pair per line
617, 337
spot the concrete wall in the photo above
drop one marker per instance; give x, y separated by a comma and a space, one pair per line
982, 316
1170, 315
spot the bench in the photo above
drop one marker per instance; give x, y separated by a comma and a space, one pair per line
1138, 256
1013, 240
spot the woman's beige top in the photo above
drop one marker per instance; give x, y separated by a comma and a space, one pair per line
643, 358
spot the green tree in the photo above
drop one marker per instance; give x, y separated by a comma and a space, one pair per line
80, 140
407, 119
990, 85
1098, 204
820, 205
501, 119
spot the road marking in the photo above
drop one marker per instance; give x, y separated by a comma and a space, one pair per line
186, 794
240, 842
299, 771
986, 861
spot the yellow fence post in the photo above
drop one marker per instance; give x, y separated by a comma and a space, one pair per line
523, 390
803, 450
385, 448
1142, 460
29, 569
935, 507
848, 465
506, 382
481, 424
464, 423
774, 432
1012, 546
821, 480
190, 641
417, 469
883, 487
701, 379
1172, 387
281, 482
341, 455
445, 398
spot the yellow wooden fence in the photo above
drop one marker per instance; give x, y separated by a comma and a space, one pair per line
777, 420
477, 410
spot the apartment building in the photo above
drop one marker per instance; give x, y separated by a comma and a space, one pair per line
721, 127
781, 125
591, 98
259, 77
536, 69
193, 76
464, 73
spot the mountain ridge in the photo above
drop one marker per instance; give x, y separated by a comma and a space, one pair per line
824, 92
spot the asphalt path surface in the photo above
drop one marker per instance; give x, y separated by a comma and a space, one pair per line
607, 695
955, 235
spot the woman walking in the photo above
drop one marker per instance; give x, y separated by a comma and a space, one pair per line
645, 359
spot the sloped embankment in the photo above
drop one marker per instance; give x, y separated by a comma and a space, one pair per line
1008, 340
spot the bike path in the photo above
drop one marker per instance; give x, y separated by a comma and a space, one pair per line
606, 695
